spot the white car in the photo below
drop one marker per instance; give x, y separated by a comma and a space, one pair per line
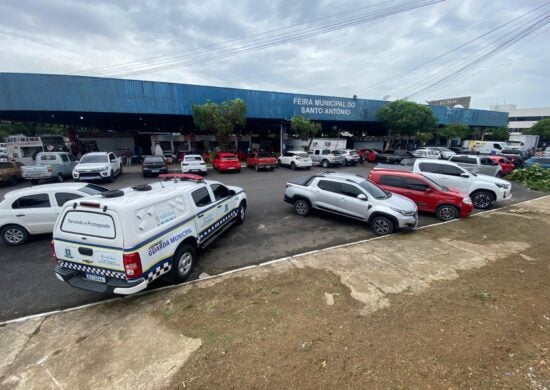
193, 163
98, 166
34, 210
295, 159
351, 157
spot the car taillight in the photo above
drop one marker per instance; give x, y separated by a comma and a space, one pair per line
132, 265
52, 246
50, 169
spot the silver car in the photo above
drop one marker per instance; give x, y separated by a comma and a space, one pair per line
352, 196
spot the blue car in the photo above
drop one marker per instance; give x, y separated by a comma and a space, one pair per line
542, 161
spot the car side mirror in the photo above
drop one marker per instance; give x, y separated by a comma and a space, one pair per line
362, 197
428, 191
464, 174
232, 192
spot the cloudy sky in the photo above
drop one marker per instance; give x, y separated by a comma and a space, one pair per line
340, 48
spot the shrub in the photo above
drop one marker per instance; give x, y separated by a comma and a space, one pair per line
534, 177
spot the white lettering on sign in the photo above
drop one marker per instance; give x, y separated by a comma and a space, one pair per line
324, 106
88, 223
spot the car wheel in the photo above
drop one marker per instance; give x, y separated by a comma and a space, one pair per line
446, 212
183, 262
34, 182
241, 213
482, 199
293, 166
382, 225
325, 164
302, 207
60, 178
279, 163
308, 168
500, 174
120, 171
14, 235
111, 177
12, 181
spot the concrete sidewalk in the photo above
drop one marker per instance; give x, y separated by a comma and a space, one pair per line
146, 341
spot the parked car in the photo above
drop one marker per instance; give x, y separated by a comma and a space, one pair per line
98, 166
34, 210
446, 203
50, 166
261, 160
295, 159
478, 164
427, 153
352, 196
124, 239
193, 163
391, 156
445, 152
227, 162
326, 157
351, 157
10, 172
484, 190
506, 165
542, 161
153, 166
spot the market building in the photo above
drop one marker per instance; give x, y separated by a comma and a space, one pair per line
119, 114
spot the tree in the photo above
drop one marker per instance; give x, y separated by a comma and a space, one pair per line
541, 128
221, 119
407, 118
424, 136
455, 130
305, 128
497, 134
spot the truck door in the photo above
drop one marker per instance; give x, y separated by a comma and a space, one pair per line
224, 202
326, 195
206, 212
349, 204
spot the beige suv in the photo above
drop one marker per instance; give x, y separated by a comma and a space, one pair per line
10, 172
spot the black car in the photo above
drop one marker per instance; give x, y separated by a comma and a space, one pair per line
153, 166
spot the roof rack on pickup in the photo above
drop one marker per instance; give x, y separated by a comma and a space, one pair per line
181, 177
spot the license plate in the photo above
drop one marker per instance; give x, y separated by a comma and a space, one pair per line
231, 168
96, 278
155, 170
268, 166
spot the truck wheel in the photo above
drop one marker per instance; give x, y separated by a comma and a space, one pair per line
60, 178
111, 177
183, 262
325, 164
293, 166
446, 212
241, 213
382, 225
14, 235
482, 199
302, 207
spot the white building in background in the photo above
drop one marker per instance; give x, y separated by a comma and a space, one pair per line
520, 119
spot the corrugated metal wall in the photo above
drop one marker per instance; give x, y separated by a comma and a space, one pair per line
36, 92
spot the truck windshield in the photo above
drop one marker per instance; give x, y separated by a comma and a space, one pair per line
374, 190
94, 159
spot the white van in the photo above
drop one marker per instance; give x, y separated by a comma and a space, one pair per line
124, 239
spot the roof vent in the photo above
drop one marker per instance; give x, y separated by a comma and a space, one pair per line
142, 187
112, 194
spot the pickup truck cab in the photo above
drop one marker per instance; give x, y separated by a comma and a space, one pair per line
483, 190
98, 166
352, 196
122, 240
50, 166
261, 160
478, 164
326, 158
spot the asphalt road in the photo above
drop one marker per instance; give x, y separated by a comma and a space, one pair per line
271, 230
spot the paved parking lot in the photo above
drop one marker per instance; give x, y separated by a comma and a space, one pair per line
271, 230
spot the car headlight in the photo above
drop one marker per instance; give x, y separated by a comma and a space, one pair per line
404, 212
467, 200
504, 186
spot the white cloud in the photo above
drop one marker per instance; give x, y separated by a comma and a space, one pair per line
82, 37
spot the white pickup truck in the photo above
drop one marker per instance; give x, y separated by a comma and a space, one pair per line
122, 240
484, 190
98, 166
49, 166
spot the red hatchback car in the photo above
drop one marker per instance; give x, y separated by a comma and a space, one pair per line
506, 165
429, 196
225, 162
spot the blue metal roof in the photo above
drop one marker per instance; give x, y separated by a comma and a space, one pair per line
38, 92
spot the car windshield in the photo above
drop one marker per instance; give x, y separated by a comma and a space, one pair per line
541, 160
436, 185
193, 158
229, 158
153, 159
96, 158
301, 154
374, 190
263, 154
92, 189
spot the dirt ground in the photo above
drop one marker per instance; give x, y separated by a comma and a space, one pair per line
489, 328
